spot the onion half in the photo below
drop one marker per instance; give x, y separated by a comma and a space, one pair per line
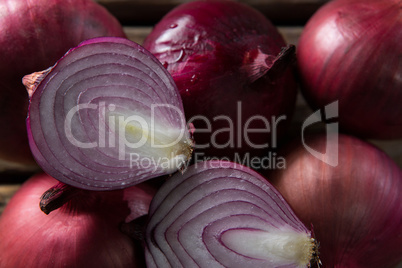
222, 214
355, 207
107, 116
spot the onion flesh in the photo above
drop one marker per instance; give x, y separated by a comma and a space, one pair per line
222, 214
107, 116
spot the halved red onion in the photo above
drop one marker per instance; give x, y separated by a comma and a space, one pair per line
107, 116
222, 214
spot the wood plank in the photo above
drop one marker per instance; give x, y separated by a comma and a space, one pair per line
6, 192
149, 12
138, 34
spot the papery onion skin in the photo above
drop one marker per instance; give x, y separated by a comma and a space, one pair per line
350, 51
204, 218
34, 35
83, 233
107, 116
220, 54
355, 208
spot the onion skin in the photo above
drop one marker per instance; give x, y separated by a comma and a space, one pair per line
351, 51
34, 35
82, 233
219, 53
354, 208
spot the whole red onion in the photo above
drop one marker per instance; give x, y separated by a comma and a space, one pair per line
82, 233
227, 61
355, 207
34, 34
351, 51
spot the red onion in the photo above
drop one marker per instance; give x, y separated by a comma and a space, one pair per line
34, 34
107, 116
222, 214
83, 233
350, 51
234, 78
354, 207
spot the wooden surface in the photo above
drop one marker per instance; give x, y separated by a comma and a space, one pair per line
138, 34
148, 12
11, 181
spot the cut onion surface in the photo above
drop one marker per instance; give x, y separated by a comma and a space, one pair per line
107, 116
222, 214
